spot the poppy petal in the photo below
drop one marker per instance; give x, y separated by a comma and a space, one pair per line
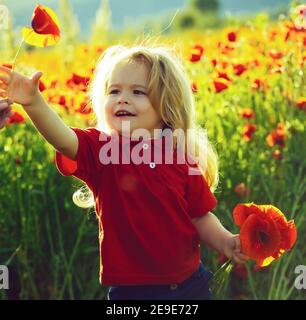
38, 40
45, 21
265, 262
259, 237
243, 210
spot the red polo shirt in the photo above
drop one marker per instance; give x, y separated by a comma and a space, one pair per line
144, 210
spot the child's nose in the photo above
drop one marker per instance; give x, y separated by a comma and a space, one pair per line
123, 100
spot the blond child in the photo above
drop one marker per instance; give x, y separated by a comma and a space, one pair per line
152, 214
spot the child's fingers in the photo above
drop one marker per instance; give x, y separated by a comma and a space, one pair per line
4, 117
237, 242
3, 122
3, 104
241, 257
5, 79
6, 113
238, 251
237, 259
36, 76
3, 93
3, 86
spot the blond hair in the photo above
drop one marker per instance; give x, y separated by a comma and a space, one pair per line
169, 91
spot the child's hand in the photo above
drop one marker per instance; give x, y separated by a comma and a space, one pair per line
18, 88
5, 112
232, 249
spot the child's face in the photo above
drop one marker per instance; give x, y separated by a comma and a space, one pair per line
128, 92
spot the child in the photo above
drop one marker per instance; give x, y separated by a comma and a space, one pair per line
152, 215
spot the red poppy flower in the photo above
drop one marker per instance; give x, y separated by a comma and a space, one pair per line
16, 118
53, 84
301, 103
248, 131
194, 87
277, 136
199, 48
84, 108
45, 28
220, 85
247, 113
275, 54
224, 64
232, 36
273, 35
214, 62
195, 57
43, 23
77, 79
242, 190
223, 75
258, 84
62, 101
226, 49
196, 53
255, 63
41, 86
239, 69
265, 234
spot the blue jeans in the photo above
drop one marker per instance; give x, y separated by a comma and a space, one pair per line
196, 287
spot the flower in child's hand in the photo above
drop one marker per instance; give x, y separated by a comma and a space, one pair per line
45, 29
265, 234
232, 249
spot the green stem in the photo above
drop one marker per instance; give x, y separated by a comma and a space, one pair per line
251, 282
12, 256
19, 48
14, 60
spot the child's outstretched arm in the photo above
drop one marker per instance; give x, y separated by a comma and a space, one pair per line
212, 233
20, 89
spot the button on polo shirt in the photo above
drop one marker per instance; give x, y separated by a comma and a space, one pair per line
144, 210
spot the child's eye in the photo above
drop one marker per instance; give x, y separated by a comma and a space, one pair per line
114, 91
138, 92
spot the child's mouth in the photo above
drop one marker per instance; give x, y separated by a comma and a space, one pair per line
123, 113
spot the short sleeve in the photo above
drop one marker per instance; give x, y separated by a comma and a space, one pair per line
86, 165
200, 199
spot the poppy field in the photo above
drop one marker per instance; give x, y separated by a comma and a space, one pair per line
249, 84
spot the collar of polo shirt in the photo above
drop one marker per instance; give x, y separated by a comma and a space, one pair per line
157, 142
